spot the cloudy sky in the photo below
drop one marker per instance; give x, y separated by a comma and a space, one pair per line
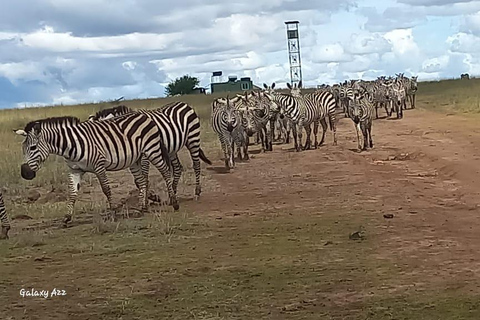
65, 51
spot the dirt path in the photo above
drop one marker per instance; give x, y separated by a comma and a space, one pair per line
284, 220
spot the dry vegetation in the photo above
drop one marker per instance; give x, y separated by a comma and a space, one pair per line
269, 240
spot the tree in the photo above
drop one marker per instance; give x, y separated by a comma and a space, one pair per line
182, 85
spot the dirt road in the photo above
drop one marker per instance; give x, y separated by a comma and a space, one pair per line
296, 210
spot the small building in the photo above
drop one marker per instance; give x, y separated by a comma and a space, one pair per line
232, 85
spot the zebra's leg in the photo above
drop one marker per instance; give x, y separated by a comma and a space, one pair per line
101, 174
295, 137
263, 138
232, 154
145, 171
365, 135
159, 161
225, 149
308, 133
142, 185
358, 130
376, 110
315, 134
4, 219
288, 129
369, 129
74, 179
333, 126
413, 101
323, 122
195, 155
177, 171
245, 148
272, 133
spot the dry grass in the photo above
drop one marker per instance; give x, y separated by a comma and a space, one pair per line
192, 265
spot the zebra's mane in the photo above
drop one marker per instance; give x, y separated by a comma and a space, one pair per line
66, 120
118, 110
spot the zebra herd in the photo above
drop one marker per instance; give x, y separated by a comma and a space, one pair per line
235, 120
119, 138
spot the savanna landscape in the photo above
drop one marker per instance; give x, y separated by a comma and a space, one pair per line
332, 233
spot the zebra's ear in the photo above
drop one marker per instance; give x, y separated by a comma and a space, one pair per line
20, 132
289, 86
265, 86
299, 84
273, 85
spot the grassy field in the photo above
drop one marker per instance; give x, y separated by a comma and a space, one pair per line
248, 249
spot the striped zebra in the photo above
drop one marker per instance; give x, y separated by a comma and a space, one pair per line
305, 110
278, 121
256, 106
179, 127
4, 219
361, 113
411, 88
397, 97
345, 97
227, 124
97, 147
381, 97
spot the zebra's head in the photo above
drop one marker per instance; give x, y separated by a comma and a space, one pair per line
354, 111
35, 150
269, 88
231, 115
295, 90
413, 83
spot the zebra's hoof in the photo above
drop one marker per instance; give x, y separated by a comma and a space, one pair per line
176, 206
4, 233
196, 197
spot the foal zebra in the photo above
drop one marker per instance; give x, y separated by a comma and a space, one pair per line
4, 219
97, 147
227, 124
179, 126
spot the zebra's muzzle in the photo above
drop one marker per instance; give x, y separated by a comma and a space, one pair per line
27, 172
250, 132
282, 116
230, 127
356, 120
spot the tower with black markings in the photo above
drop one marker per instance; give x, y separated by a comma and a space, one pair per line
294, 52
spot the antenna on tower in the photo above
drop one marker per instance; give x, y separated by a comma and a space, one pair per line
294, 52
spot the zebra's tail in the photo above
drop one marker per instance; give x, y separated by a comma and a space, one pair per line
165, 154
204, 157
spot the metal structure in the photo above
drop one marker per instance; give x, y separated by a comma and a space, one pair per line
294, 52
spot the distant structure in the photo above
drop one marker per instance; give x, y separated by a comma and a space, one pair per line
465, 76
294, 52
217, 83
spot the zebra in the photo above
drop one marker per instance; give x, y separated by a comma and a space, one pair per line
381, 97
307, 109
256, 106
397, 97
179, 126
4, 219
227, 124
345, 96
97, 147
361, 113
278, 121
